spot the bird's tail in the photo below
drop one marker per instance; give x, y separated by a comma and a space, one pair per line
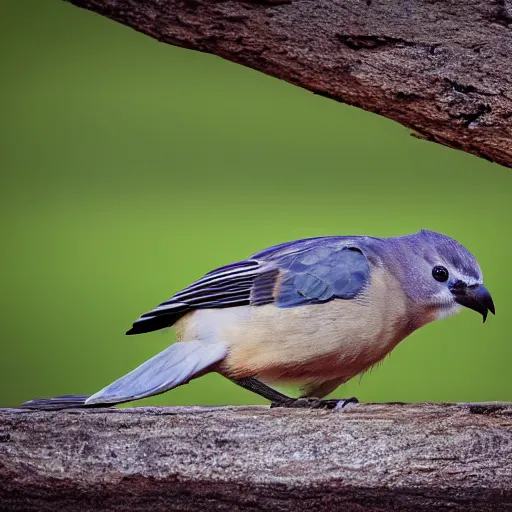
174, 366
57, 403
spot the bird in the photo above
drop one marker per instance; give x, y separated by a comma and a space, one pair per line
315, 311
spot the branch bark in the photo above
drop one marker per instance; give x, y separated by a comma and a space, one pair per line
442, 68
374, 457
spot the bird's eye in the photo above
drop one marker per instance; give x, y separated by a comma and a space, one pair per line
440, 274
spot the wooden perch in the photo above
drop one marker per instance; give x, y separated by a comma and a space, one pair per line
442, 68
373, 457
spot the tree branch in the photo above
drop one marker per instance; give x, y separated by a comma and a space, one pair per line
373, 457
442, 68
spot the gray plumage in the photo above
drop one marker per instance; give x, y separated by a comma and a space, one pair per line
172, 367
320, 310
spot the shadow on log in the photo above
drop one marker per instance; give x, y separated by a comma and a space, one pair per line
444, 69
373, 457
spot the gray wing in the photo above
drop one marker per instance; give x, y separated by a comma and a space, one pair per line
321, 274
310, 272
224, 287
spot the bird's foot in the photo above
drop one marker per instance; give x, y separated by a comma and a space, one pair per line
315, 403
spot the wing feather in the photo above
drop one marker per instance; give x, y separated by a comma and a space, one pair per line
308, 271
227, 286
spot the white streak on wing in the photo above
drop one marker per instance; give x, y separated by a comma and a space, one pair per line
252, 269
165, 307
204, 283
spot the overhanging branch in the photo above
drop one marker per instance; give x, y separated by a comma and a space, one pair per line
442, 68
374, 457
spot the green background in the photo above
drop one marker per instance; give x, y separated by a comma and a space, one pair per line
130, 168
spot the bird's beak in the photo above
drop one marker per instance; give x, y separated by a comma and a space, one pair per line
476, 298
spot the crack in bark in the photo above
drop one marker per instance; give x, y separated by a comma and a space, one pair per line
371, 42
471, 118
503, 14
467, 89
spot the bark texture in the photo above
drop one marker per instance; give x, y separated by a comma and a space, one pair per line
442, 68
373, 457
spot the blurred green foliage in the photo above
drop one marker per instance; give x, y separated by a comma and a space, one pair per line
130, 168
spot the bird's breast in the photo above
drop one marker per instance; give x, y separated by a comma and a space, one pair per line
339, 338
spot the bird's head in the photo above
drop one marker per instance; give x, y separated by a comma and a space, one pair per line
441, 275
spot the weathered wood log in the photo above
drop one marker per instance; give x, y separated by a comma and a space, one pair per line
444, 69
373, 457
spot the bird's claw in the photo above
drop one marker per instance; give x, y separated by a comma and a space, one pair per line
344, 402
335, 404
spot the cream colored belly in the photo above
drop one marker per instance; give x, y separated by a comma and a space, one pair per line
337, 339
